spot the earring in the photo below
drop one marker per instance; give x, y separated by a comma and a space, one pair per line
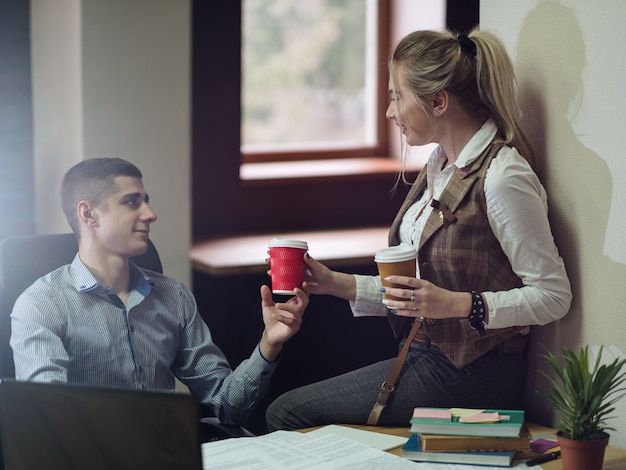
437, 112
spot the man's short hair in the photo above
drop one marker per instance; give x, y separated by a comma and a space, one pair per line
92, 180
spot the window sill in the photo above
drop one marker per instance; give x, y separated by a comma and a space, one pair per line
241, 255
323, 169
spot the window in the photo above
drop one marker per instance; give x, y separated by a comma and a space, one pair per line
234, 196
312, 79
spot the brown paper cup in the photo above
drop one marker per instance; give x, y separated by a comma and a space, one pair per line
396, 260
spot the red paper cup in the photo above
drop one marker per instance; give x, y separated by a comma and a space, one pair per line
287, 264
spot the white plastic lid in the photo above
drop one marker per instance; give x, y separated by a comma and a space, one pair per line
289, 243
394, 254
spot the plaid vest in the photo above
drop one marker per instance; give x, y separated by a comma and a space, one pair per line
459, 252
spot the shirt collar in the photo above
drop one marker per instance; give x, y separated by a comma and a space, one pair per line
473, 148
85, 282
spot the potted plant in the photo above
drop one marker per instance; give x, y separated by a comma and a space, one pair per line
584, 395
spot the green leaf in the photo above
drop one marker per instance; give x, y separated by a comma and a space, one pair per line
584, 394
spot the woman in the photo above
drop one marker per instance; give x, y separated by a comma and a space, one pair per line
487, 265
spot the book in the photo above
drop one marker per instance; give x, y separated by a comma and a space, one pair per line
412, 450
450, 443
467, 422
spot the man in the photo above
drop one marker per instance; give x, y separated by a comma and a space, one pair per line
101, 320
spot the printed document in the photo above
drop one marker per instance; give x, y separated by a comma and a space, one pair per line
285, 450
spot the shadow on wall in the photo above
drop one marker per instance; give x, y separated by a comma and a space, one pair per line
551, 57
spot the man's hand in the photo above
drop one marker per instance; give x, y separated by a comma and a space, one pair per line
282, 320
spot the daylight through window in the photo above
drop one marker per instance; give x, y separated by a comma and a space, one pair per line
309, 75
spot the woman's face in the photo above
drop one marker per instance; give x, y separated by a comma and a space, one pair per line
412, 120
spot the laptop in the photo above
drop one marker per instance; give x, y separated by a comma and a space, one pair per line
61, 426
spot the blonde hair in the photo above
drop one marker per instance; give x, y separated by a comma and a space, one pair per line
479, 73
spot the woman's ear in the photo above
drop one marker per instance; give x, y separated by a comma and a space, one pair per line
440, 102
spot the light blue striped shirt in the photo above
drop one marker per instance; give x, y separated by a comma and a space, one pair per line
66, 327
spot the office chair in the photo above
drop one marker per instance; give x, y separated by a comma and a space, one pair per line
23, 260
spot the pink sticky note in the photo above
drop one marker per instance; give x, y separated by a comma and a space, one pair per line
432, 413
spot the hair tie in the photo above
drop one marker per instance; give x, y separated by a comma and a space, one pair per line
467, 45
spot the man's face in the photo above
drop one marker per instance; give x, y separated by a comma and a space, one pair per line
124, 218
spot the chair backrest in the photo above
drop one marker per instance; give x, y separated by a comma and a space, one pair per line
23, 260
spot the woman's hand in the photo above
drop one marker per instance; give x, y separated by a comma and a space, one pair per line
422, 298
324, 281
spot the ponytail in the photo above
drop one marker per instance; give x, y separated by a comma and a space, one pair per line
497, 87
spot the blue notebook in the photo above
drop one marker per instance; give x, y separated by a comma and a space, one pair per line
412, 450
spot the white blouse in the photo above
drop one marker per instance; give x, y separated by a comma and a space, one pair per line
517, 210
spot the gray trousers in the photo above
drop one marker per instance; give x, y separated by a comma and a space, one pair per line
428, 378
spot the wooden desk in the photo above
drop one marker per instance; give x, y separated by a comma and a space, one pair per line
614, 458
224, 256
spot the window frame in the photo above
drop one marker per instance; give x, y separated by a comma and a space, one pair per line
380, 149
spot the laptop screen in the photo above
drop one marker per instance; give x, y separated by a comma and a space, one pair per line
61, 426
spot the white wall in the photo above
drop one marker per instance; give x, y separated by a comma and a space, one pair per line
57, 104
571, 69
112, 78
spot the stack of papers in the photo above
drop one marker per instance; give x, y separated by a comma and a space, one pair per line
293, 450
378, 440
326, 448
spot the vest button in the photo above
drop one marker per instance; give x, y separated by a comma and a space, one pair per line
431, 321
